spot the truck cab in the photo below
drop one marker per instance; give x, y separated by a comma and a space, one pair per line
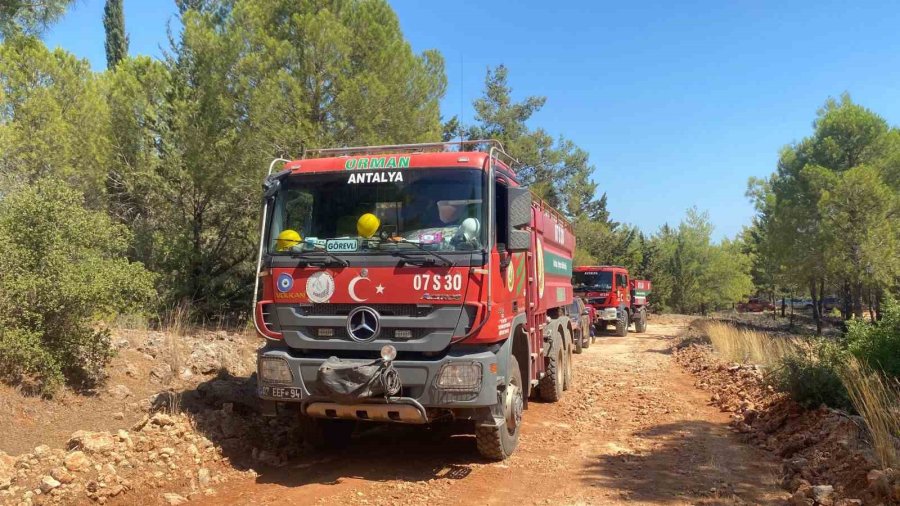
410, 284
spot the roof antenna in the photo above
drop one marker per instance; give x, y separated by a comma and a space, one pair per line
461, 86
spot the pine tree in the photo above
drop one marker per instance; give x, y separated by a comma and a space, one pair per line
116, 38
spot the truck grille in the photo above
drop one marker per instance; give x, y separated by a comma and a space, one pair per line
386, 334
410, 310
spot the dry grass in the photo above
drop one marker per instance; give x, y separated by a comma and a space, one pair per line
878, 402
748, 346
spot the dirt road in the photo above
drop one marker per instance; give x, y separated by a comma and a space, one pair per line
633, 429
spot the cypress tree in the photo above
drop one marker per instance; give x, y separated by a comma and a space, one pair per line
116, 38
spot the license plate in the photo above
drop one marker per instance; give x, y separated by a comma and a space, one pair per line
280, 392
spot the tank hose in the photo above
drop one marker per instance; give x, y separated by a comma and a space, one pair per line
390, 379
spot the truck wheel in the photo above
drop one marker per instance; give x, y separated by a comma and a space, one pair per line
498, 443
587, 339
567, 378
324, 434
579, 342
640, 323
622, 324
551, 385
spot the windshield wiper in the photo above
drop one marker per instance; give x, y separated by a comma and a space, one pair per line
446, 261
333, 258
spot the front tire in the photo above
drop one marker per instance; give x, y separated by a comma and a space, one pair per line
498, 443
622, 324
551, 385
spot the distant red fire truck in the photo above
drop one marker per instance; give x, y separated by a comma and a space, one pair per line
411, 284
617, 299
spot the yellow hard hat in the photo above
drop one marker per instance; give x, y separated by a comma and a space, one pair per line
287, 239
367, 225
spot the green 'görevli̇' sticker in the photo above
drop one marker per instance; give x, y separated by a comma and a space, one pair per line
377, 162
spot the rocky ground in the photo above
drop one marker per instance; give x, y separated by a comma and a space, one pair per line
633, 427
825, 457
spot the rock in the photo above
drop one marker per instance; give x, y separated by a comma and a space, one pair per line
123, 436
233, 427
42, 451
167, 452
205, 360
48, 483
161, 373
172, 498
162, 420
879, 483
7, 470
77, 461
118, 416
823, 494
203, 477
62, 475
800, 499
131, 370
120, 392
92, 442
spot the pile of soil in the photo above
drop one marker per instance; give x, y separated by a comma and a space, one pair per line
178, 415
170, 456
826, 459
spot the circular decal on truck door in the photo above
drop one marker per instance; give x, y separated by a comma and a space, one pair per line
320, 287
285, 282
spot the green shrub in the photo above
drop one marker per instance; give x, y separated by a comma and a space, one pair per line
64, 267
813, 378
878, 344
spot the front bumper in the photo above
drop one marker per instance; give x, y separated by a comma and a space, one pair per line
418, 379
606, 314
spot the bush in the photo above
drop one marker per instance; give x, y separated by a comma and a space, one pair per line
813, 377
878, 344
63, 269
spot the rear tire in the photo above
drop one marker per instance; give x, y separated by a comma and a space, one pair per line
579, 342
551, 385
570, 356
498, 443
640, 323
589, 338
325, 434
622, 324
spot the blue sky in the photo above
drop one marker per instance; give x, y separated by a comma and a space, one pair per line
678, 103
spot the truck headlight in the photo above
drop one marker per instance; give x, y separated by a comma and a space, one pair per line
610, 313
275, 370
456, 376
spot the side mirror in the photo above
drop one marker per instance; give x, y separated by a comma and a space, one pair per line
273, 183
586, 312
519, 211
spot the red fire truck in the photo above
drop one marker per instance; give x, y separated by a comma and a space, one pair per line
411, 284
617, 299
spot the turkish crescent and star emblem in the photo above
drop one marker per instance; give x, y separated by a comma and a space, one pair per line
363, 276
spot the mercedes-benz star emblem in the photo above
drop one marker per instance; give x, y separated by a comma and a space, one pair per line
363, 324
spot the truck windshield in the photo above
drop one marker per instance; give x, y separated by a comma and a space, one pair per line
592, 280
356, 212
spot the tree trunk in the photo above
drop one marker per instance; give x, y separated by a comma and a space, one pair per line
846, 310
783, 306
817, 308
857, 300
